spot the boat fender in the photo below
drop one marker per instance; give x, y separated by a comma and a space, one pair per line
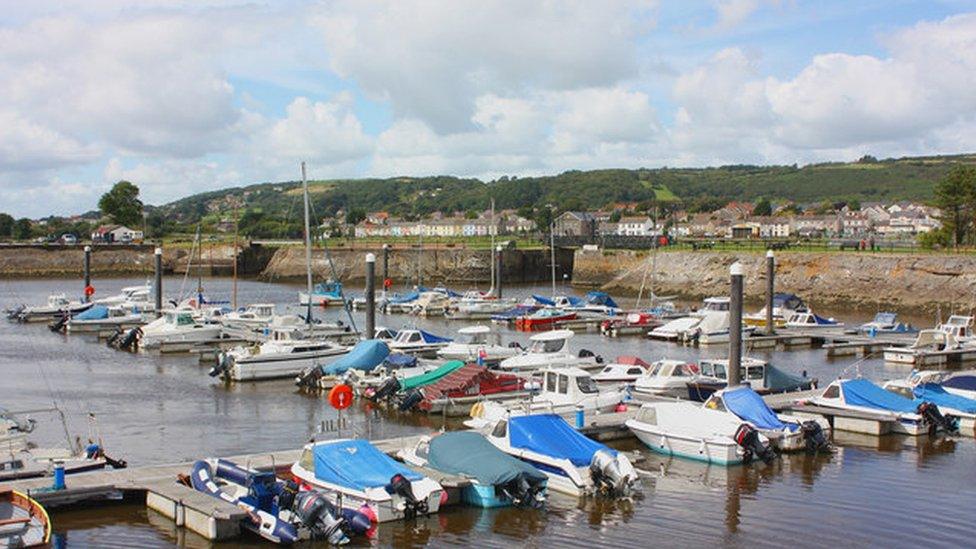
400, 486
930, 412
320, 517
814, 435
748, 438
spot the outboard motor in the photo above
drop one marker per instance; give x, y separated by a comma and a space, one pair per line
410, 400
523, 493
59, 324
586, 353
814, 435
222, 366
309, 378
127, 341
389, 388
748, 438
15, 313
320, 517
949, 423
400, 486
612, 475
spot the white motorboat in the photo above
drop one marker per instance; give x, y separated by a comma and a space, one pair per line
785, 432
550, 349
713, 374
285, 355
141, 294
317, 328
105, 317
418, 342
809, 320
253, 317
178, 326
900, 414
431, 304
593, 305
354, 473
323, 295
935, 386
625, 369
714, 308
575, 465
685, 429
475, 305
476, 346
885, 323
58, 305
563, 390
955, 333
784, 305
667, 378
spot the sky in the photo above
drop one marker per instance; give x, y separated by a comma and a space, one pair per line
181, 97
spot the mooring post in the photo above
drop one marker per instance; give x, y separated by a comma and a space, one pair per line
498, 271
158, 280
87, 273
735, 325
770, 288
386, 267
370, 296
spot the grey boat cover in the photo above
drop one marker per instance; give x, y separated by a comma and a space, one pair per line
779, 381
469, 454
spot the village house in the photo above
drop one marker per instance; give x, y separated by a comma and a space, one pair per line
817, 225
108, 234
635, 226
580, 224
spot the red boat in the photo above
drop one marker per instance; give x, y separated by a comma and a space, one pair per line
633, 323
468, 385
543, 319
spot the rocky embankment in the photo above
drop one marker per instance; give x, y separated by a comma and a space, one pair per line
855, 280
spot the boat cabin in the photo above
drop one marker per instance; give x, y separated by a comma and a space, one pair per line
959, 327
550, 342
566, 386
672, 368
475, 335
715, 304
752, 371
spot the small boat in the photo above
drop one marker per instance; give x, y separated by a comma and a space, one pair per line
475, 347
575, 465
253, 317
396, 384
364, 357
497, 479
631, 323
929, 386
323, 295
280, 513
58, 306
476, 305
626, 369
526, 307
397, 303
141, 294
765, 378
456, 392
667, 378
684, 327
23, 521
543, 319
101, 318
431, 304
287, 354
180, 325
784, 305
786, 433
361, 476
885, 323
953, 334
810, 320
418, 342
687, 430
593, 304
550, 349
904, 416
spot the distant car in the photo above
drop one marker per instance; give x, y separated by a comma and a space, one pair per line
69, 239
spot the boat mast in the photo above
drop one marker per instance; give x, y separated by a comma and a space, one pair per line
236, 230
308, 250
552, 255
491, 251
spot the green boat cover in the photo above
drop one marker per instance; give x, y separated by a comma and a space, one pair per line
431, 376
469, 454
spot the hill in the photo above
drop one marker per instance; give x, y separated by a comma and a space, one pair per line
697, 188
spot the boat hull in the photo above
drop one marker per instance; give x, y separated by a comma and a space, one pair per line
718, 452
279, 366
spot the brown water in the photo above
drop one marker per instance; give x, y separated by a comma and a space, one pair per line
892, 491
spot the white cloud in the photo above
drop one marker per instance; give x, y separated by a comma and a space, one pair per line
324, 132
25, 145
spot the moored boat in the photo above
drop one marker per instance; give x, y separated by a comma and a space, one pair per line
287, 354
625, 369
667, 378
809, 320
904, 416
322, 295
23, 521
476, 347
550, 349
785, 432
543, 319
763, 377
418, 342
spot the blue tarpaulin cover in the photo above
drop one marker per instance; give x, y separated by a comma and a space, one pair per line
405, 298
550, 435
861, 392
96, 312
365, 356
601, 298
468, 453
520, 310
934, 393
431, 338
357, 464
966, 383
749, 406
574, 301
823, 321
400, 360
545, 301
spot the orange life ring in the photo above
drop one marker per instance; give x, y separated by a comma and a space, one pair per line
387, 283
340, 397
89, 290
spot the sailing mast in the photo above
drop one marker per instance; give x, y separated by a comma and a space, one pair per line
236, 231
308, 250
552, 255
491, 250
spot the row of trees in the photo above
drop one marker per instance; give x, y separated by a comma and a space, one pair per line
955, 195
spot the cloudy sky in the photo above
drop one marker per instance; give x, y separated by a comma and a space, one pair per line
186, 96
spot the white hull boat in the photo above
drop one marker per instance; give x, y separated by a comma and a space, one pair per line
549, 349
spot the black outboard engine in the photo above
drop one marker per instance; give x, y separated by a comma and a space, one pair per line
410, 400
400, 486
319, 516
222, 366
814, 435
748, 438
309, 378
130, 339
515, 345
389, 388
59, 324
586, 353
949, 423
14, 314
524, 493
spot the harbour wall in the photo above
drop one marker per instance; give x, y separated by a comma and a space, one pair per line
854, 280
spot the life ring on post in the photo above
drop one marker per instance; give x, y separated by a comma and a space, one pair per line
340, 397
89, 290
387, 283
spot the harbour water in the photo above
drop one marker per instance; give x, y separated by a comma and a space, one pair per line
892, 491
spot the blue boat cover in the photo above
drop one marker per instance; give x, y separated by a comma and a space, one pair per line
405, 298
934, 393
821, 321
574, 301
431, 338
601, 298
749, 406
861, 392
545, 301
400, 360
470, 454
550, 435
357, 464
520, 310
966, 383
365, 356
95, 312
